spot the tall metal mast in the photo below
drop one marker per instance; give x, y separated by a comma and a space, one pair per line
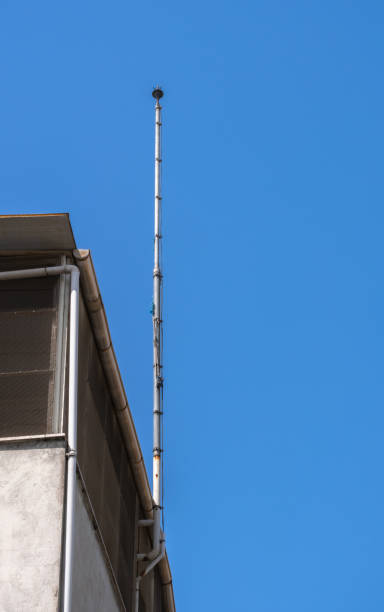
155, 555
157, 318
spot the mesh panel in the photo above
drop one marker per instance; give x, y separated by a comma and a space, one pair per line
24, 262
127, 529
24, 398
28, 321
142, 605
158, 605
26, 339
28, 294
146, 586
104, 463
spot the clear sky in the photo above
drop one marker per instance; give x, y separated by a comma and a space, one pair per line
274, 299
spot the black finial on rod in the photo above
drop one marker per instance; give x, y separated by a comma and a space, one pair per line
157, 93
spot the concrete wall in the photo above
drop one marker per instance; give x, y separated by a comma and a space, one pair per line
93, 587
32, 492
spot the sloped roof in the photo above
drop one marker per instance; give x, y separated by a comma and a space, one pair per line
36, 233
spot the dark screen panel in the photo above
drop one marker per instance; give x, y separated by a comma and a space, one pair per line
146, 585
104, 463
158, 602
24, 399
26, 340
28, 322
28, 294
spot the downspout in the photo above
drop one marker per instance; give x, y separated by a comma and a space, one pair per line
72, 437
72, 409
148, 569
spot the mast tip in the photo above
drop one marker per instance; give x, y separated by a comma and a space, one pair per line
157, 93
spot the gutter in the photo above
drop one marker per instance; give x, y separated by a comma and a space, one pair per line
95, 308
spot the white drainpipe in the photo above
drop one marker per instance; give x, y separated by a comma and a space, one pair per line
72, 410
149, 567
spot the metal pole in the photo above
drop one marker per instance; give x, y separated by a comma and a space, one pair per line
157, 321
155, 555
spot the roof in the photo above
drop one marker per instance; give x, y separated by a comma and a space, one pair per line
36, 233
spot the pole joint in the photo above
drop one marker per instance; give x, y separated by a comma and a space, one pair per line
159, 381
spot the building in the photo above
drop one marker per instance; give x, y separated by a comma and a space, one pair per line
37, 385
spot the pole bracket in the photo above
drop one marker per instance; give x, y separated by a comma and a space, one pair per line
145, 523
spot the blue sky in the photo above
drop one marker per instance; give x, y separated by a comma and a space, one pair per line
274, 300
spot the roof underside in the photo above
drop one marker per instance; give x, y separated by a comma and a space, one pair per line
36, 233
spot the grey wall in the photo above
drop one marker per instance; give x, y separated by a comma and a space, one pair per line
32, 488
93, 589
